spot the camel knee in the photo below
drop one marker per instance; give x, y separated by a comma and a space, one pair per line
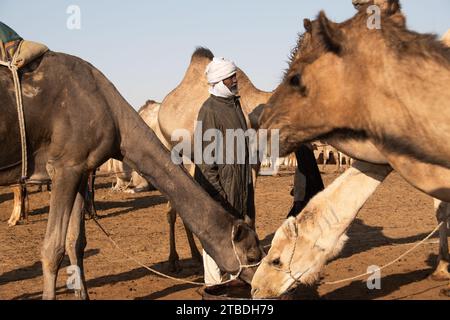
51, 258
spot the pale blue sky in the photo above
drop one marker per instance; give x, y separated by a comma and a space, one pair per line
144, 47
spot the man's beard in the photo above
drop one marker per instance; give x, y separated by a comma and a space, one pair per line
234, 89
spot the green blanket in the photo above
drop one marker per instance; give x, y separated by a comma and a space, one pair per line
7, 34
9, 41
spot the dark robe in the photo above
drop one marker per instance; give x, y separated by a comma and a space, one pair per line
230, 184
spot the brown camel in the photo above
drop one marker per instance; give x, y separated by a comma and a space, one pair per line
149, 113
69, 93
319, 231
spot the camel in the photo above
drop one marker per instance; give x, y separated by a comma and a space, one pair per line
128, 180
350, 53
149, 113
20, 207
179, 110
68, 94
326, 150
302, 245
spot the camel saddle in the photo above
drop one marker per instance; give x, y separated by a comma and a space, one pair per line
14, 54
15, 50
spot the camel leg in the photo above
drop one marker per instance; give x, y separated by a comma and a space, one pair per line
66, 182
20, 209
441, 273
173, 255
76, 240
192, 245
90, 212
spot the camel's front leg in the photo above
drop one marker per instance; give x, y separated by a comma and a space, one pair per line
442, 213
66, 182
192, 245
20, 209
173, 255
76, 241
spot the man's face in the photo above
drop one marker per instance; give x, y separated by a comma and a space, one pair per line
232, 83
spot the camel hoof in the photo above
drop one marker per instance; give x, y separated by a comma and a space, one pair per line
12, 223
440, 276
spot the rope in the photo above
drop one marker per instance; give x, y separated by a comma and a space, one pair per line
232, 278
390, 263
18, 91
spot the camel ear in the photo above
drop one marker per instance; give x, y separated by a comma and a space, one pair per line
333, 37
308, 25
240, 231
291, 228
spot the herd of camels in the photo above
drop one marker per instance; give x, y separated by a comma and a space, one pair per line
375, 67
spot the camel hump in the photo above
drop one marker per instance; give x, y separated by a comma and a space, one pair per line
202, 52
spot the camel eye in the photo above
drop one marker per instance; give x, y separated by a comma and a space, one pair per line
276, 262
295, 80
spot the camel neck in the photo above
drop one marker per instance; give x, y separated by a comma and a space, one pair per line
143, 151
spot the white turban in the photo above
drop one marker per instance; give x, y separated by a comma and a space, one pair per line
219, 69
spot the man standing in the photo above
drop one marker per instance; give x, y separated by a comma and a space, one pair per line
230, 183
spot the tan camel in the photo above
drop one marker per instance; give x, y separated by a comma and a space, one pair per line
378, 64
302, 246
180, 108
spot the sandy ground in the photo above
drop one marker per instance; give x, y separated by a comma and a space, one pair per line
394, 218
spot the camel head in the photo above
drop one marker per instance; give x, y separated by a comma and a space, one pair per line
329, 81
247, 251
296, 257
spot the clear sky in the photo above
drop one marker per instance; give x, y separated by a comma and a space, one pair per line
144, 47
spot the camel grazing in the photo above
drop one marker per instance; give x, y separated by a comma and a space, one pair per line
128, 180
69, 93
149, 113
302, 245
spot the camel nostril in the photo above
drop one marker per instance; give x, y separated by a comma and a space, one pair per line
254, 291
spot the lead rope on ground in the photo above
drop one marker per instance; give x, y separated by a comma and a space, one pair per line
390, 263
232, 278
